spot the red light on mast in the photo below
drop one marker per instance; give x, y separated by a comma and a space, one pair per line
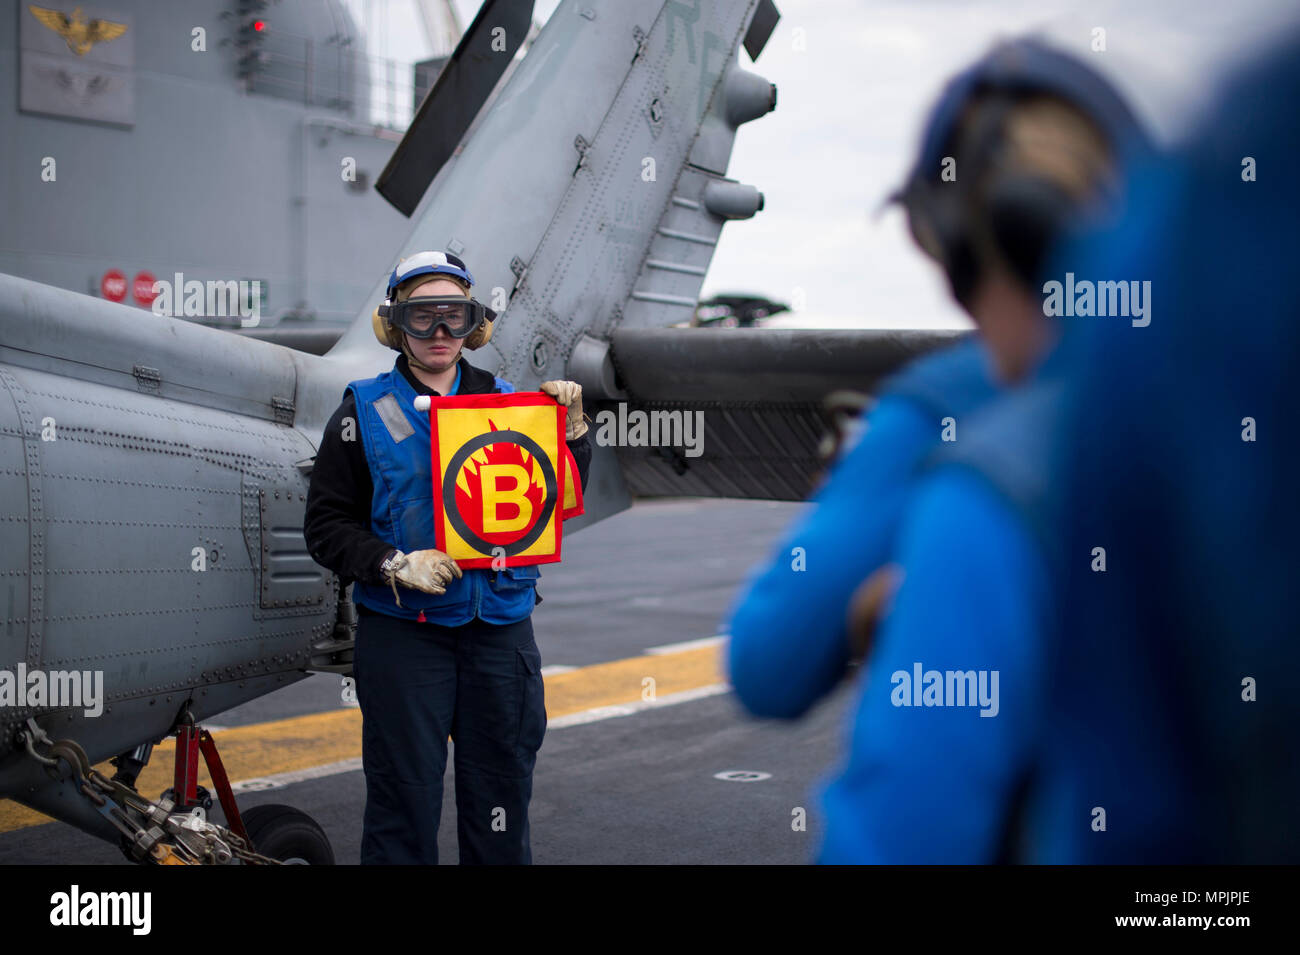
259, 25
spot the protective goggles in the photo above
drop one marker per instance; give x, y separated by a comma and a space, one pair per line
420, 317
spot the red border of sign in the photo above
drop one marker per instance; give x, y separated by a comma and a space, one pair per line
578, 507
509, 400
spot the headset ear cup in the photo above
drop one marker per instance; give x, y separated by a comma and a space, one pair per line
1027, 215
383, 331
480, 336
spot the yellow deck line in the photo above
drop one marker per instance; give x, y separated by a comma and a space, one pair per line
316, 739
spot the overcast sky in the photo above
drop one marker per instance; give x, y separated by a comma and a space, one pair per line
855, 79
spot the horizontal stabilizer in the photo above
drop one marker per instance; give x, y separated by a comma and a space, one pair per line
754, 398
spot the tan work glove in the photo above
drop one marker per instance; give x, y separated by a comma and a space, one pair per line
426, 570
569, 394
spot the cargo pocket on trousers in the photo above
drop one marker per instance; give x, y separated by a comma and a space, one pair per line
532, 711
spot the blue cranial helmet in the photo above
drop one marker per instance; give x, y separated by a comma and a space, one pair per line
427, 263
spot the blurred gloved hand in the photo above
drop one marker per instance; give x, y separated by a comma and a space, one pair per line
426, 570
569, 394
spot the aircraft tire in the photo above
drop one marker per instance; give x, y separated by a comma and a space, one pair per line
288, 835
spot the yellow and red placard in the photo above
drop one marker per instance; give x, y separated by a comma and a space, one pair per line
504, 481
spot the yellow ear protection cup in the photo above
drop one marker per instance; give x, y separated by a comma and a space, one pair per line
387, 334
479, 336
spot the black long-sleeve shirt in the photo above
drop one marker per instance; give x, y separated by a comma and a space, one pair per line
337, 523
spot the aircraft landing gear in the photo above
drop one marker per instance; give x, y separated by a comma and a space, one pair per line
277, 832
174, 830
288, 835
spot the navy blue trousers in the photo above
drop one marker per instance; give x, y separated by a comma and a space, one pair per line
418, 683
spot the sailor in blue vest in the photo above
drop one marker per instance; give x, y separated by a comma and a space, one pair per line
946, 718
806, 614
440, 651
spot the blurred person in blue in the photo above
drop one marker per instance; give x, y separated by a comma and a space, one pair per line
946, 719
1171, 727
1019, 148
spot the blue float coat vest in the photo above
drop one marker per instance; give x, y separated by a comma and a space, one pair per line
1012, 447
396, 440
974, 594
